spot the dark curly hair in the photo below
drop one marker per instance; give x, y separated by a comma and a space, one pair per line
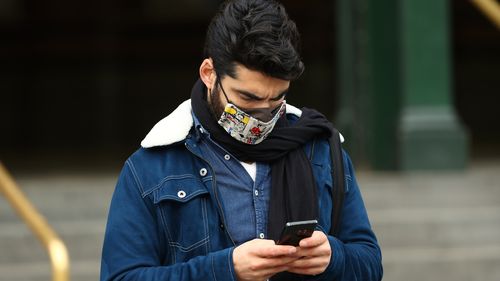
257, 34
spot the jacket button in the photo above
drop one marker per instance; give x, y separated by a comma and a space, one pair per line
203, 172
181, 194
227, 157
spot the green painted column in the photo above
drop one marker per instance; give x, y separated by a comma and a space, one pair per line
347, 77
429, 134
383, 82
394, 76
368, 80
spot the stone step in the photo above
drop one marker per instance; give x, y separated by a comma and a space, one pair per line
477, 186
472, 263
83, 239
432, 226
439, 227
80, 270
65, 197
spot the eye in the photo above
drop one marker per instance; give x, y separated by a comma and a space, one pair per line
280, 97
247, 98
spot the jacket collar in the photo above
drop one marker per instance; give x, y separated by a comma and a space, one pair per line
175, 127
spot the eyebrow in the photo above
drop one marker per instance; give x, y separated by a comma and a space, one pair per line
255, 97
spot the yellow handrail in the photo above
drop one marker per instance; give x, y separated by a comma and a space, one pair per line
57, 250
491, 8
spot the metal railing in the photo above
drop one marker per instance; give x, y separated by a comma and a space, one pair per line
55, 247
491, 8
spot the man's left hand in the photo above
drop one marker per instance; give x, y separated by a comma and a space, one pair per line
314, 252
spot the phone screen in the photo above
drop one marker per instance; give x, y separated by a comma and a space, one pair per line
293, 232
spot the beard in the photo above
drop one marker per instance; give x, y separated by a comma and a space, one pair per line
215, 103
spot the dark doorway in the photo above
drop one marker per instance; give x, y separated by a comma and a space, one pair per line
476, 67
84, 81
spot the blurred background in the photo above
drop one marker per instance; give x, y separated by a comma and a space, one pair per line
412, 85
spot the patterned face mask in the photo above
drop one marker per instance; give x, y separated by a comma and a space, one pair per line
250, 126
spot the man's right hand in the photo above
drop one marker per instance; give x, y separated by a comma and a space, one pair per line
259, 259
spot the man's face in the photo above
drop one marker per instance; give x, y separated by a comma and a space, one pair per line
249, 90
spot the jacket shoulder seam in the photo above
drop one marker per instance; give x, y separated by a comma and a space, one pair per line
131, 166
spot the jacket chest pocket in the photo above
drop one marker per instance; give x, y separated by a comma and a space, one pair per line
182, 206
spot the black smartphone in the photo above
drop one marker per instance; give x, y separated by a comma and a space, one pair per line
295, 231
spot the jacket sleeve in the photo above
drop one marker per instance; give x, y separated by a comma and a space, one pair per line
356, 254
133, 247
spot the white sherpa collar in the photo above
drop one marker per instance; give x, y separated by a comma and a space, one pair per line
175, 127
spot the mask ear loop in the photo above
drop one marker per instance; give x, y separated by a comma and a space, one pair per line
217, 81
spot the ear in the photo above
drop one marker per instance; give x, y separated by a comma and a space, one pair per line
207, 73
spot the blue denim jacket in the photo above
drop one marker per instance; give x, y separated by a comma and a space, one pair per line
163, 224
245, 198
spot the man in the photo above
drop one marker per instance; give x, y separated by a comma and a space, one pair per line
209, 191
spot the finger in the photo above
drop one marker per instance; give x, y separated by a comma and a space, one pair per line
315, 240
310, 262
307, 271
270, 263
267, 248
322, 250
269, 267
276, 251
268, 273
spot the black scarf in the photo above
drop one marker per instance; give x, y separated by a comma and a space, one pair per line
293, 187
